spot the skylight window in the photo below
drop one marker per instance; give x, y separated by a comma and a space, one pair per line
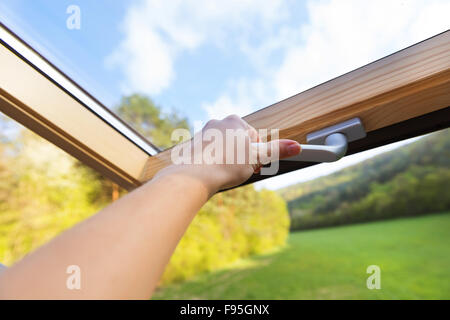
143, 71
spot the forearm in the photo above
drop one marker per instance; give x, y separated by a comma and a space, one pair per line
121, 251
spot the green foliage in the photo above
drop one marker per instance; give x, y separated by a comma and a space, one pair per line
232, 225
408, 181
44, 191
144, 116
413, 255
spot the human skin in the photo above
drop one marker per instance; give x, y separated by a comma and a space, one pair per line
123, 249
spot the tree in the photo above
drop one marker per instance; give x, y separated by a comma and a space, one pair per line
147, 118
44, 191
410, 180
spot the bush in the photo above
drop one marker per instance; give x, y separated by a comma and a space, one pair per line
44, 192
232, 225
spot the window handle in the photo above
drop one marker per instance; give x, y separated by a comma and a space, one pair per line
330, 144
334, 148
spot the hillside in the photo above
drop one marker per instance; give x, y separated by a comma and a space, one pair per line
331, 264
410, 180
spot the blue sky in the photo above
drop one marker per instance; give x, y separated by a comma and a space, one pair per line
206, 59
199, 76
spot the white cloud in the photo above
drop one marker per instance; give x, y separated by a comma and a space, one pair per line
344, 35
156, 32
340, 35
336, 37
288, 55
248, 95
145, 58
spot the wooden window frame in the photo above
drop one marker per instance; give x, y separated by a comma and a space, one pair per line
402, 95
42, 98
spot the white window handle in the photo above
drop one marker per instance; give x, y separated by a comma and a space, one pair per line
330, 144
335, 148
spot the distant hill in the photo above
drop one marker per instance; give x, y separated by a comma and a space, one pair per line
410, 180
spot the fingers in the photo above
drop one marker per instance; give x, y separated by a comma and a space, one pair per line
254, 136
234, 121
266, 152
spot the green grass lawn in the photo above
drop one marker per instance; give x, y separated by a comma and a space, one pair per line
413, 254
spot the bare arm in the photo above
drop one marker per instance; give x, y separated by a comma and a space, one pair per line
123, 250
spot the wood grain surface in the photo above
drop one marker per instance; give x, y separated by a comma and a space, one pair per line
405, 85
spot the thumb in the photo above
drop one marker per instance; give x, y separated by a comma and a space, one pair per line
276, 150
288, 148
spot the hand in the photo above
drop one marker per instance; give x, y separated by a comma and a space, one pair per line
214, 168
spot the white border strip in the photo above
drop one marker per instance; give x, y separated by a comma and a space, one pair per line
59, 78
